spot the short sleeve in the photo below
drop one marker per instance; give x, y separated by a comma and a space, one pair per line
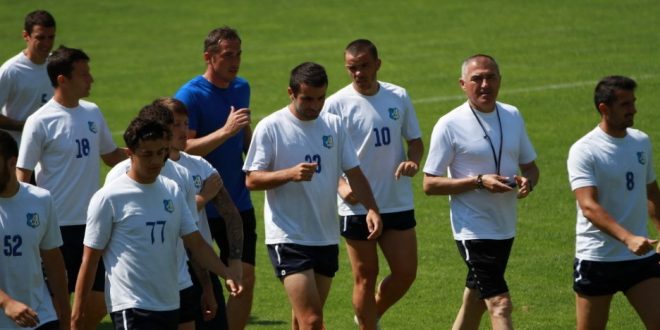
580, 167
52, 238
410, 129
32, 143
99, 221
260, 154
441, 151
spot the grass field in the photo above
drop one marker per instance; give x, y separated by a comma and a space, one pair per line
551, 53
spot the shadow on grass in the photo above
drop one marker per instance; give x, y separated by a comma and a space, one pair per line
257, 322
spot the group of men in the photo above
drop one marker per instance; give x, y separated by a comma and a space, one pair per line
353, 155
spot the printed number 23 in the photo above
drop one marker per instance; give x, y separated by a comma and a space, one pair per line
314, 159
12, 244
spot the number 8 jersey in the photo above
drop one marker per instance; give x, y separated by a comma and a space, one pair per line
620, 169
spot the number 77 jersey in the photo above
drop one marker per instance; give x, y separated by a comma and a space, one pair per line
138, 228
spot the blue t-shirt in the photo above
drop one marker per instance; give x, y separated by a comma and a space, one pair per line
208, 109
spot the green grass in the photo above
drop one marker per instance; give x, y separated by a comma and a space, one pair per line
551, 54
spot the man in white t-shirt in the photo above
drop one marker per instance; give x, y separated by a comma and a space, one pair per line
63, 142
475, 154
378, 117
24, 83
206, 185
134, 223
297, 155
31, 237
611, 174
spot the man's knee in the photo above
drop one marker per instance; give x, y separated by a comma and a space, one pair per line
500, 306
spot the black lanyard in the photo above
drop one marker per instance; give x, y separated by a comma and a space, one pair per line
497, 158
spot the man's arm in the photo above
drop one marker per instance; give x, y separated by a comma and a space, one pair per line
587, 198
204, 255
112, 158
23, 175
21, 314
202, 146
247, 138
56, 273
84, 282
410, 167
233, 222
653, 196
263, 180
209, 190
440, 185
11, 124
208, 303
362, 190
528, 180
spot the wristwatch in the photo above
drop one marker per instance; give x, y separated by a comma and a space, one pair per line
480, 181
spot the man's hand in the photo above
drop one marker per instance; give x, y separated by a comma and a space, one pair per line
302, 172
374, 224
21, 314
639, 245
237, 119
208, 303
524, 186
407, 168
496, 183
234, 279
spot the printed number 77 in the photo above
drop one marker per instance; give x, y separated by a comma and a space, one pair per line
153, 224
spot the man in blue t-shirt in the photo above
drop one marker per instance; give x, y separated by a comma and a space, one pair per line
219, 122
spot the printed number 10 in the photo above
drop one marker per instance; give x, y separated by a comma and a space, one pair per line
382, 136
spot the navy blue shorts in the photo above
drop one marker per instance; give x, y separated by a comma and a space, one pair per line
597, 278
355, 226
189, 305
141, 319
486, 260
291, 258
72, 251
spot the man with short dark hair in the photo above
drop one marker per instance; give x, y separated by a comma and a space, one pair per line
297, 155
24, 84
135, 224
476, 152
219, 120
31, 238
67, 138
379, 117
611, 174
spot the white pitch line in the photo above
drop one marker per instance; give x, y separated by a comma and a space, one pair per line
442, 98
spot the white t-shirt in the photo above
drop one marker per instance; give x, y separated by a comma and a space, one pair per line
182, 177
620, 169
139, 227
301, 212
24, 88
66, 144
200, 170
28, 225
459, 149
378, 125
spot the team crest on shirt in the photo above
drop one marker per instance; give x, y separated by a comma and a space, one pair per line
394, 113
328, 141
33, 220
641, 157
197, 180
92, 126
169, 205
